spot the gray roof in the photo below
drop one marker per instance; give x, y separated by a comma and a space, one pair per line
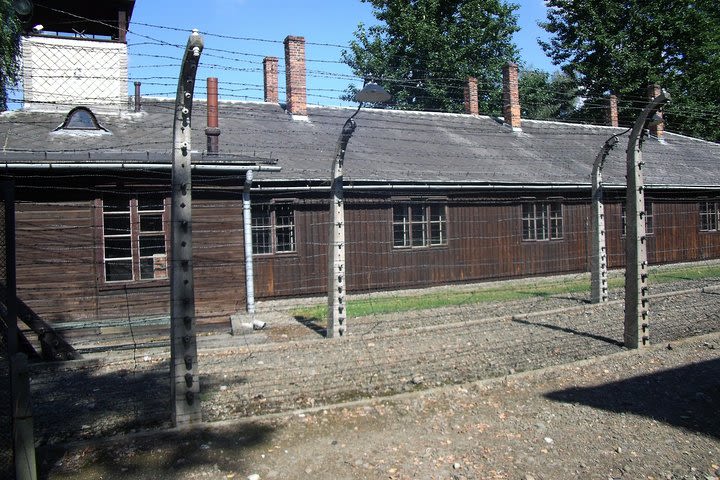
396, 147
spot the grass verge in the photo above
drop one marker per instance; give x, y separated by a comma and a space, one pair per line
544, 287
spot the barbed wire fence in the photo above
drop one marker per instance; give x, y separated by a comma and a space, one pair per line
486, 330
401, 338
6, 433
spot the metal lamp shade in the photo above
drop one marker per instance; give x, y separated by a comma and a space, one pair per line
372, 93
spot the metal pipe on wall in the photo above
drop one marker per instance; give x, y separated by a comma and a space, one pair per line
247, 233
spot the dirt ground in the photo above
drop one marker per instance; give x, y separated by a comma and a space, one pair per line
649, 414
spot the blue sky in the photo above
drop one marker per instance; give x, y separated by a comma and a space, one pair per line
237, 61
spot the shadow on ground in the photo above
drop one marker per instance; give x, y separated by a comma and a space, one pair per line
572, 331
73, 402
89, 400
312, 324
215, 452
686, 397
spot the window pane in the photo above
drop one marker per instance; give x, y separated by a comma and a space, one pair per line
556, 221
418, 234
151, 244
285, 239
418, 226
118, 247
623, 218
284, 228
261, 217
261, 230
556, 228
528, 221
150, 203
81, 120
118, 270
438, 235
417, 213
648, 218
116, 204
147, 268
708, 216
541, 223
401, 237
529, 229
401, 226
151, 222
284, 216
116, 224
400, 214
261, 241
437, 213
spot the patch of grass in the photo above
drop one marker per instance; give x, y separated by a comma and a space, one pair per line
700, 272
543, 288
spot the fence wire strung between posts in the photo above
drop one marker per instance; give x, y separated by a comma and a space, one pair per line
6, 445
399, 339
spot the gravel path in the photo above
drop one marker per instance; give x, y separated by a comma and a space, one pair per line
289, 366
649, 414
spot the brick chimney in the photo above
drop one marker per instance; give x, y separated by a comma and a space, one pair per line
471, 96
138, 104
270, 79
295, 75
511, 96
613, 111
658, 130
212, 131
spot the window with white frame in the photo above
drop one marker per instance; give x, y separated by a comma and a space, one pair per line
542, 221
273, 229
134, 238
419, 225
709, 216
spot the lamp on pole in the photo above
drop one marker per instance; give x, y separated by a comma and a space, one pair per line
637, 306
337, 312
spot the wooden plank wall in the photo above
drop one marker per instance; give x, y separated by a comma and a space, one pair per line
218, 259
485, 243
56, 259
59, 274
303, 272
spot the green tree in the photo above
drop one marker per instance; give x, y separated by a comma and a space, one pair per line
424, 50
622, 46
9, 49
546, 96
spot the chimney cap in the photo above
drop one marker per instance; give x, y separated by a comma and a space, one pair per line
294, 38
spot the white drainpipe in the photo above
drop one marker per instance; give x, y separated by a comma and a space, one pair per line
247, 231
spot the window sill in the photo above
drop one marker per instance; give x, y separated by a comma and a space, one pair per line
275, 254
547, 240
133, 285
424, 247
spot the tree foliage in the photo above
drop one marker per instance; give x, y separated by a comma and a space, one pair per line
622, 46
10, 33
545, 96
424, 50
